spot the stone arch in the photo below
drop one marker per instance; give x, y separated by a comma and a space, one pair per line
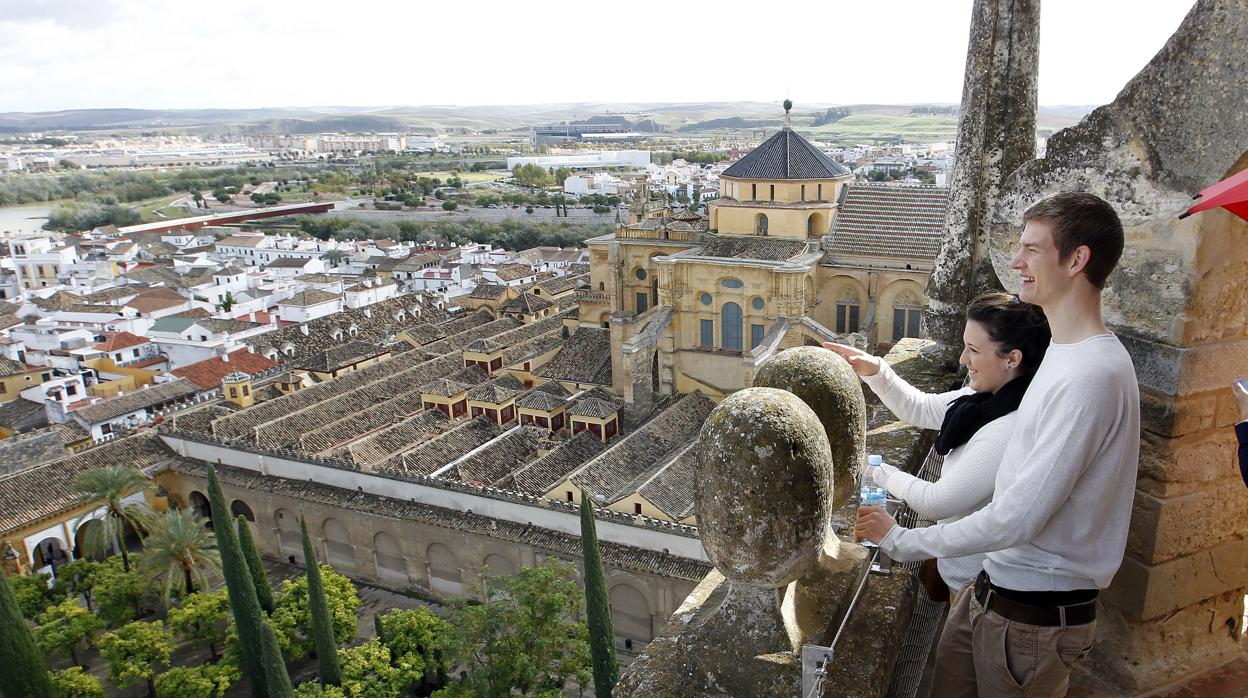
80, 537
630, 614
391, 565
730, 327
338, 549
49, 552
289, 539
760, 224
445, 575
200, 504
816, 224
238, 507
496, 565
605, 319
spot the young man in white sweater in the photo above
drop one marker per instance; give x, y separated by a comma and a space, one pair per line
1056, 528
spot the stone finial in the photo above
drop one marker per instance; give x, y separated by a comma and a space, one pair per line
826, 383
763, 488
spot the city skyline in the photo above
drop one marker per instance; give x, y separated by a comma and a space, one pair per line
284, 55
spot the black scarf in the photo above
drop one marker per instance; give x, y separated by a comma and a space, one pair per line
969, 413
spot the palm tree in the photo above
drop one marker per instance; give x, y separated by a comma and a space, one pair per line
106, 487
179, 550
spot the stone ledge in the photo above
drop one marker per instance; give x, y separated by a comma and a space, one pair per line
1147, 592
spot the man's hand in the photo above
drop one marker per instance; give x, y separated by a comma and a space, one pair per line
1241, 396
873, 524
863, 363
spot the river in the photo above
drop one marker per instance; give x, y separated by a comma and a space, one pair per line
27, 218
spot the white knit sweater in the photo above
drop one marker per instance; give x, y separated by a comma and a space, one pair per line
967, 476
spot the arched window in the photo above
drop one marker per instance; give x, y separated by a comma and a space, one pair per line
289, 539
240, 507
730, 327
813, 226
445, 576
760, 225
907, 315
848, 307
498, 566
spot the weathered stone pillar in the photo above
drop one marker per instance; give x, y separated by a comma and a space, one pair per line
996, 134
1179, 302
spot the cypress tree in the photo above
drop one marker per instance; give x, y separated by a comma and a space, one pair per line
322, 627
597, 610
262, 661
25, 674
264, 593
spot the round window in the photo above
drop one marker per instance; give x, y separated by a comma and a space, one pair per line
757, 303
641, 274
706, 299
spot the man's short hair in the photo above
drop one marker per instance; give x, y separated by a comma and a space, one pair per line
1079, 218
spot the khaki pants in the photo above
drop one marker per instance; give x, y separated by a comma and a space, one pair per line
984, 655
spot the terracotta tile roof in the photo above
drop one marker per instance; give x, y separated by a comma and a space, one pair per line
141, 399
786, 155
500, 458
488, 291
752, 247
540, 400
207, 374
632, 460
497, 391
45, 490
241, 241
525, 303
9, 367
7, 320
22, 414
585, 358
310, 297
385, 444
593, 407
30, 450
151, 304
672, 488
889, 221
555, 467
194, 313
121, 340
289, 263
335, 358
435, 453
511, 272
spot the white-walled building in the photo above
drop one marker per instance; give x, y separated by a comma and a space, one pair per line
309, 305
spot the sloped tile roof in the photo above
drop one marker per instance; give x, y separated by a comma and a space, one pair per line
503, 455
525, 303
435, 453
9, 367
121, 340
769, 249
380, 446
310, 297
498, 390
902, 222
585, 358
617, 472
338, 357
593, 407
207, 374
539, 400
143, 398
47, 489
672, 488
786, 155
29, 451
553, 468
488, 291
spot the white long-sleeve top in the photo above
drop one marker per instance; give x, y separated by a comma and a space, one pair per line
969, 471
1062, 501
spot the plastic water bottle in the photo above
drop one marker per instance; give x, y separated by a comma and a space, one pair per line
873, 492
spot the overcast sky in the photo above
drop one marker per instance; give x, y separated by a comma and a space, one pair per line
73, 54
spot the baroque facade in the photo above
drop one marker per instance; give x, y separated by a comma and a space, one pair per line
792, 253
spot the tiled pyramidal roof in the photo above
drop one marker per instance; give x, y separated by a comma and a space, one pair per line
889, 221
786, 155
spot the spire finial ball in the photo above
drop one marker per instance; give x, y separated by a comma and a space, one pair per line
788, 104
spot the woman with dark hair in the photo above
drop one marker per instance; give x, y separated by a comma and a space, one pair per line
1003, 343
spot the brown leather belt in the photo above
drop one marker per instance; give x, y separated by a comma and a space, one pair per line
1047, 616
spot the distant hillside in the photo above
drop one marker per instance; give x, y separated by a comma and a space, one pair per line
658, 117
